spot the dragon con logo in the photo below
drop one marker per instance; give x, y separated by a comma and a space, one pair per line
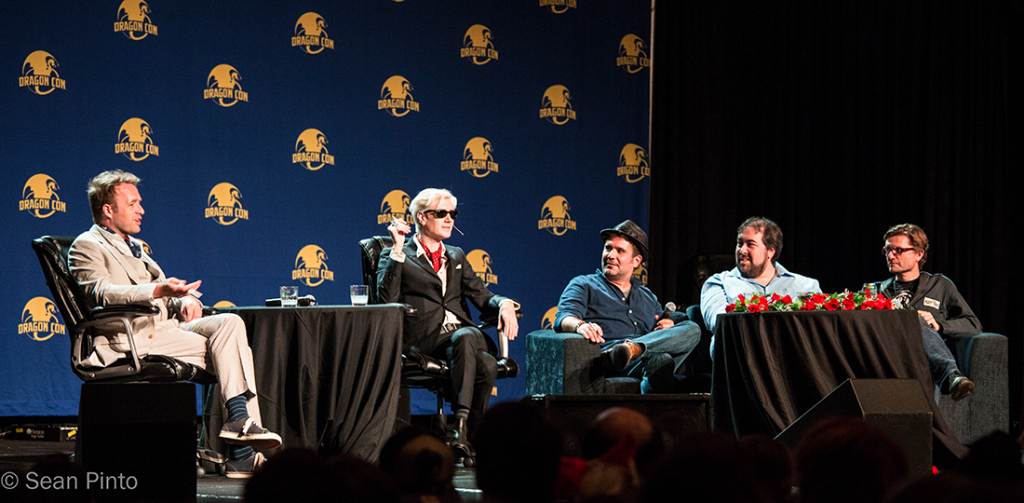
548, 321
633, 165
555, 106
632, 54
133, 20
222, 86
39, 197
224, 204
311, 266
145, 246
311, 150
39, 73
480, 261
135, 140
310, 34
395, 205
477, 45
477, 158
558, 6
395, 97
39, 320
640, 273
554, 217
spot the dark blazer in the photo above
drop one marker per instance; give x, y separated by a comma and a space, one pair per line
415, 283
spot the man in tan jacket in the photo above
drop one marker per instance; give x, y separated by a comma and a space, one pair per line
112, 268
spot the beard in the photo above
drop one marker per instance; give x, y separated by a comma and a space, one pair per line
752, 269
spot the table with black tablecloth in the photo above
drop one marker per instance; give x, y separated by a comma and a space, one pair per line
328, 377
771, 367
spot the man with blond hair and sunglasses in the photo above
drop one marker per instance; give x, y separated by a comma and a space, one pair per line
936, 299
436, 280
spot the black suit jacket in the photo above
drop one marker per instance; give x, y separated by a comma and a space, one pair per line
415, 283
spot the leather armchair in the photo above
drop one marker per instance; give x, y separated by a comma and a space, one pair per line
81, 315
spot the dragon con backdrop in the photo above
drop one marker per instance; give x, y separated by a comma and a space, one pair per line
272, 136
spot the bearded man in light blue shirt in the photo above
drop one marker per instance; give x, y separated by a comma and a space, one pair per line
758, 245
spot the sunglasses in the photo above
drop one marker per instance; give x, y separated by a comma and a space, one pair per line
443, 213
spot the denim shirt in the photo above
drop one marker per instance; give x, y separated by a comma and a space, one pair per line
594, 299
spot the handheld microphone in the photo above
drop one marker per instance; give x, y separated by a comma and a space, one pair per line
670, 307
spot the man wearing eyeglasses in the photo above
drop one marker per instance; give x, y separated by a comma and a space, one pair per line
436, 280
936, 299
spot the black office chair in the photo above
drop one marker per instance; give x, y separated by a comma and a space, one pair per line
81, 315
421, 370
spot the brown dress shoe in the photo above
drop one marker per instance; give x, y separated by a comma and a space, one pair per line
619, 355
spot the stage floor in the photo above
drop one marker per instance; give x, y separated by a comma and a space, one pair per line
21, 455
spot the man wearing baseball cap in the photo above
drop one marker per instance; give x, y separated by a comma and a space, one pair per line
612, 308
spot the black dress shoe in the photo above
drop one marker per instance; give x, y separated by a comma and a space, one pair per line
459, 441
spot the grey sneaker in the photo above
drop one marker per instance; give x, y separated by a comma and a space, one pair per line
243, 469
248, 432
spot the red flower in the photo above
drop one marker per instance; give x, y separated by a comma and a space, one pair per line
832, 304
818, 298
848, 304
775, 297
868, 304
787, 300
754, 307
740, 298
809, 306
730, 308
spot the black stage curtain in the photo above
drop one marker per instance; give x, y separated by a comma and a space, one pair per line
838, 119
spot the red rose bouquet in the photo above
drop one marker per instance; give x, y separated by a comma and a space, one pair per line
845, 301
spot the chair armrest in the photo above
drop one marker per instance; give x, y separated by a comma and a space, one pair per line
983, 357
492, 321
102, 316
562, 364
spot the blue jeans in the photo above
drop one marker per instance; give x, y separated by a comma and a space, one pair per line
664, 352
940, 359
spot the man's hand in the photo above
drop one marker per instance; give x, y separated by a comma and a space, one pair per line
398, 229
591, 331
663, 323
174, 287
191, 308
930, 320
507, 320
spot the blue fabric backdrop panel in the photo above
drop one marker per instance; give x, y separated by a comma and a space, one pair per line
272, 137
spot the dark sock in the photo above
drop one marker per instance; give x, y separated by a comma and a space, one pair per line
239, 452
236, 408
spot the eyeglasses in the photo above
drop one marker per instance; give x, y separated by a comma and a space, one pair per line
894, 249
443, 213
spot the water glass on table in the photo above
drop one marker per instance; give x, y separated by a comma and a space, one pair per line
289, 296
360, 294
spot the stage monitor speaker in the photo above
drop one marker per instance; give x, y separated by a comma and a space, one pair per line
674, 415
898, 407
137, 441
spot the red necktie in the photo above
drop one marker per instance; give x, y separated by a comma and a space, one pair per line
435, 258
